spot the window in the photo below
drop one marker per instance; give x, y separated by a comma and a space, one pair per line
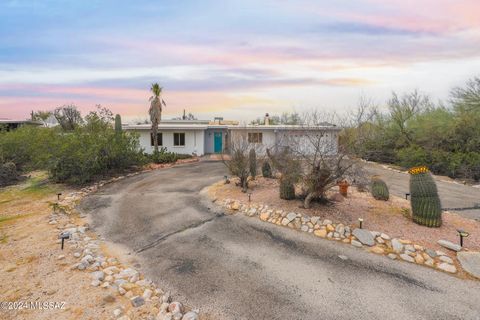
179, 139
159, 138
255, 137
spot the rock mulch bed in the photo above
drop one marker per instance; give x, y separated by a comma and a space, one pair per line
373, 241
143, 298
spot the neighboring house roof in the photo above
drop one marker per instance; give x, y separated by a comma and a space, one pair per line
10, 121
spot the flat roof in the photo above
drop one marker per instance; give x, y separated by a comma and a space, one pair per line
192, 126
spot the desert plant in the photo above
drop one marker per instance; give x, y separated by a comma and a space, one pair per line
8, 173
290, 171
155, 112
266, 170
424, 199
287, 189
118, 124
379, 189
252, 160
237, 162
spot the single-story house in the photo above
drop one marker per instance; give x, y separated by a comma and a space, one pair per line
202, 137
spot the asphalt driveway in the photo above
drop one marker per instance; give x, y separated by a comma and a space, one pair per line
234, 267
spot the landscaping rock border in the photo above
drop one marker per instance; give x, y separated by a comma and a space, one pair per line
373, 241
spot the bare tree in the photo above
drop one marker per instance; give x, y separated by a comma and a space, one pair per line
238, 161
315, 146
68, 117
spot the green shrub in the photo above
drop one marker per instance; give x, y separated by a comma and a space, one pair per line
266, 169
380, 189
252, 161
424, 199
8, 173
163, 156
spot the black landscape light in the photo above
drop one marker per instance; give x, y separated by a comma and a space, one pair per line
58, 195
249, 196
226, 179
407, 195
63, 236
462, 234
360, 222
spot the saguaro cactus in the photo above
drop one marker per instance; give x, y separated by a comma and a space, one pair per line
426, 206
118, 124
380, 189
252, 158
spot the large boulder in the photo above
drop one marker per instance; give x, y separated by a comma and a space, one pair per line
364, 236
470, 262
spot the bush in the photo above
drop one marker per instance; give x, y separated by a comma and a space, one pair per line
8, 173
163, 156
77, 156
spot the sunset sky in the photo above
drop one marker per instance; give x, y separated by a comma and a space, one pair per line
237, 59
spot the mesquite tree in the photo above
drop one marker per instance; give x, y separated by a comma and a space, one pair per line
315, 146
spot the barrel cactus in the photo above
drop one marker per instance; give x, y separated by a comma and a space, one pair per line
252, 159
424, 199
266, 170
380, 189
287, 189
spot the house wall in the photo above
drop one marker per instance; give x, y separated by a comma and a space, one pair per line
194, 141
210, 140
268, 138
297, 139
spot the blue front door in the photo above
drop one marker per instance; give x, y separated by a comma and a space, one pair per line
217, 142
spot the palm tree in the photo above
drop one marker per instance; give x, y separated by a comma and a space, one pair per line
155, 112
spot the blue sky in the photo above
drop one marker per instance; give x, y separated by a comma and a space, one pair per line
238, 59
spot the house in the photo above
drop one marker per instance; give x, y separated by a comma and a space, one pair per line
201, 137
9, 124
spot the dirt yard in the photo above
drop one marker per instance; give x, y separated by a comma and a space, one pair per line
33, 268
384, 216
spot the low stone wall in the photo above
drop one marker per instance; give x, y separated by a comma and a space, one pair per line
373, 241
145, 299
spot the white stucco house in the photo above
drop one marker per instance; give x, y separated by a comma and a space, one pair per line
202, 137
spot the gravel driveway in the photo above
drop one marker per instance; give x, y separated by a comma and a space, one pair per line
234, 267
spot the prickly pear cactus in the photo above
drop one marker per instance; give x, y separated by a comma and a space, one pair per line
424, 199
380, 189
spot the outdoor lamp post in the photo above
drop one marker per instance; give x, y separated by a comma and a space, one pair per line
462, 234
63, 236
407, 195
360, 222
58, 195
249, 196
